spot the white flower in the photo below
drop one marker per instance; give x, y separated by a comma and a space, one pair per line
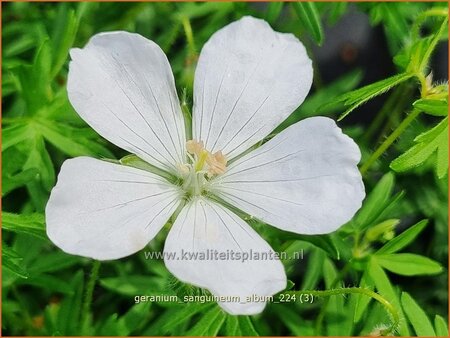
248, 80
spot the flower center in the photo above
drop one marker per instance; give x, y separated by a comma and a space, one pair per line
202, 167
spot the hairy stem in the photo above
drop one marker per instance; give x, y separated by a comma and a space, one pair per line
395, 317
87, 301
321, 317
389, 140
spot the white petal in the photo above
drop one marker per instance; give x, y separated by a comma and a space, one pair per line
249, 78
204, 226
106, 211
121, 84
304, 180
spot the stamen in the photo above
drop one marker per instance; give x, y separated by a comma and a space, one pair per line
194, 147
217, 164
203, 165
183, 169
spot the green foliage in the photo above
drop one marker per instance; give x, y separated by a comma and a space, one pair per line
432, 107
309, 17
440, 326
10, 258
28, 224
360, 96
433, 141
393, 249
209, 324
130, 285
408, 264
402, 240
419, 320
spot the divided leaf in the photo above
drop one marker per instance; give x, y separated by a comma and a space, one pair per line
433, 141
386, 289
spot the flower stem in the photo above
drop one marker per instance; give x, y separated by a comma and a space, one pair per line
320, 318
87, 301
355, 290
389, 140
395, 101
189, 34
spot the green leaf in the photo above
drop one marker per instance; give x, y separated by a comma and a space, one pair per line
425, 56
324, 242
180, 315
337, 10
135, 317
393, 21
411, 55
130, 285
289, 316
246, 326
132, 321
385, 288
232, 326
54, 261
417, 316
63, 37
312, 274
313, 105
39, 159
50, 283
15, 134
22, 178
28, 224
435, 107
10, 253
14, 268
402, 240
433, 141
360, 96
9, 261
408, 264
69, 311
440, 326
111, 327
376, 202
35, 80
310, 19
68, 140
209, 324
273, 11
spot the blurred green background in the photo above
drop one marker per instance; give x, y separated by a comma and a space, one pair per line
393, 45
